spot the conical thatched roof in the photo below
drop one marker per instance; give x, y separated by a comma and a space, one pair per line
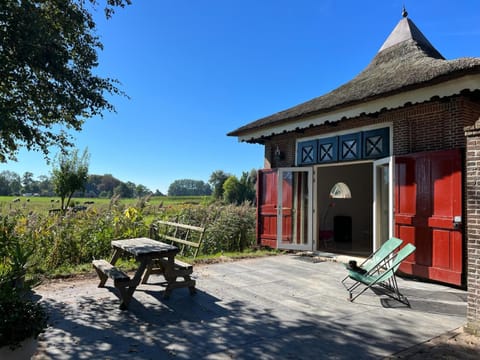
406, 61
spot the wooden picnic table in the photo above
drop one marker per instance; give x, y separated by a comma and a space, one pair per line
153, 257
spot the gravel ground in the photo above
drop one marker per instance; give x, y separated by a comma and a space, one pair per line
456, 344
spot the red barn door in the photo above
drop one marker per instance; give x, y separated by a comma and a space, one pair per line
428, 209
267, 199
284, 208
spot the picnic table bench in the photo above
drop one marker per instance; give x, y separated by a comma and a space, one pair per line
184, 236
187, 237
154, 257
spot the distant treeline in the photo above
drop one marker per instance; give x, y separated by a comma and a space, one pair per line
97, 186
221, 186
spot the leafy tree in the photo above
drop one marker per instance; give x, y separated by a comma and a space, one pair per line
101, 185
108, 184
217, 178
238, 191
249, 182
10, 183
45, 186
188, 187
48, 52
158, 193
70, 175
95, 186
28, 183
142, 190
124, 190
4, 185
232, 192
91, 189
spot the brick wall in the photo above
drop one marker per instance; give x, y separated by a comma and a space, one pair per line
433, 125
286, 145
472, 230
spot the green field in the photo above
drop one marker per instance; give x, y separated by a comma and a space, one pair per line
37, 203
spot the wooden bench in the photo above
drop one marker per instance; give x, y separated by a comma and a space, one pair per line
106, 270
180, 269
121, 281
186, 237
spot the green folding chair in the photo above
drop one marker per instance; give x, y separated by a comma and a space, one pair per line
382, 278
381, 256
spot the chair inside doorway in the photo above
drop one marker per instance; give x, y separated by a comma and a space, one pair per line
342, 232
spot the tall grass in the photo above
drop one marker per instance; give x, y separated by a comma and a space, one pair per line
60, 240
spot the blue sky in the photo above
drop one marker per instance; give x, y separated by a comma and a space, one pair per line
195, 70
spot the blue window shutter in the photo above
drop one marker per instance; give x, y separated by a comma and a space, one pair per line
328, 150
376, 143
350, 147
307, 152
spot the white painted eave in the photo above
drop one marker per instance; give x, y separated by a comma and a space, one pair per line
444, 89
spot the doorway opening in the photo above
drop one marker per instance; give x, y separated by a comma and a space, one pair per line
344, 223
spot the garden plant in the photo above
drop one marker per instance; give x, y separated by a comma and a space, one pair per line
36, 242
54, 242
21, 317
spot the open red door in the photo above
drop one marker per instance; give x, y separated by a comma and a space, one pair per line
284, 208
267, 198
428, 210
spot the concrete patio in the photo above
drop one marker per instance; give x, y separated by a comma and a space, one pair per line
282, 307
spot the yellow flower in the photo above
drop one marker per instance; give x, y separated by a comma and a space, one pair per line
131, 213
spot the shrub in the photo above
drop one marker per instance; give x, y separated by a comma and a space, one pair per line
65, 240
228, 227
21, 319
71, 239
15, 252
233, 229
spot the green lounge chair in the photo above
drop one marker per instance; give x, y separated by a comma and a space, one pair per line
381, 256
381, 277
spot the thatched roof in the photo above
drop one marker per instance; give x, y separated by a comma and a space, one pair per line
406, 61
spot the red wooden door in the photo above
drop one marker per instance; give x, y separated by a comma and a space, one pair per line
267, 199
284, 208
428, 209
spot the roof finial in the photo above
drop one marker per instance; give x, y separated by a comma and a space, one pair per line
404, 12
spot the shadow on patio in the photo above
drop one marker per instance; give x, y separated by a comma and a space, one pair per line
269, 308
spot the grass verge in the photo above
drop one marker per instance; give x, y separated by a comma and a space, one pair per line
128, 265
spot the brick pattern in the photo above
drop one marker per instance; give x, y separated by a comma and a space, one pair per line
472, 134
433, 125
286, 146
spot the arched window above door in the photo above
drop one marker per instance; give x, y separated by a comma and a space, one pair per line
340, 191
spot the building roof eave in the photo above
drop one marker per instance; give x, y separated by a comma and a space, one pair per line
405, 61
447, 88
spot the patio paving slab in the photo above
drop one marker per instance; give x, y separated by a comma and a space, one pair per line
281, 307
